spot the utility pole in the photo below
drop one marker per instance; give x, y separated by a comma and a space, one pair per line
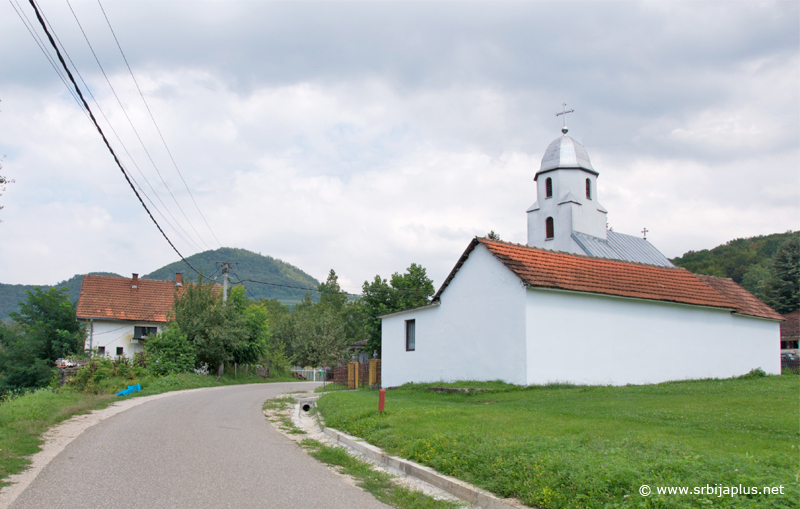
225, 271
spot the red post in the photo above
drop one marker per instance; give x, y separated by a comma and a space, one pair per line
381, 399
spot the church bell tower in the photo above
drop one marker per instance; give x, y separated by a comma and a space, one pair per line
567, 197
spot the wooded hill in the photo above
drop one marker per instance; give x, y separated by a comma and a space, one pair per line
245, 265
12, 295
748, 261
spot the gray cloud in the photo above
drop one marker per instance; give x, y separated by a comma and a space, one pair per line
366, 136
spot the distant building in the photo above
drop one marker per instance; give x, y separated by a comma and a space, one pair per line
578, 304
120, 312
790, 332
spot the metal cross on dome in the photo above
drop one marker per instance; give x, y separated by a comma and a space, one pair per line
564, 112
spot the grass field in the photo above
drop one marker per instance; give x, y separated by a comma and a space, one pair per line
25, 418
580, 446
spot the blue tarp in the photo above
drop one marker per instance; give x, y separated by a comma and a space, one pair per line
130, 390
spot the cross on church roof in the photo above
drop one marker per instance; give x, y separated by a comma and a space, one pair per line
564, 112
645, 232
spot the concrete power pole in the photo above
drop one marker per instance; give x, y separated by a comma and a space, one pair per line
225, 272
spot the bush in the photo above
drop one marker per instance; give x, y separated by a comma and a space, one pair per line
169, 352
103, 375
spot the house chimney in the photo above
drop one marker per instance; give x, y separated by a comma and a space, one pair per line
135, 280
178, 279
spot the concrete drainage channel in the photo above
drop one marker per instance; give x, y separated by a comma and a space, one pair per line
459, 489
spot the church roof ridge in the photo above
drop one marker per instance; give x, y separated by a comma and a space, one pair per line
630, 262
545, 268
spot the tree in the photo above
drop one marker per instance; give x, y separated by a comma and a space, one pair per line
492, 236
319, 336
201, 316
48, 320
20, 364
404, 291
320, 332
43, 330
783, 288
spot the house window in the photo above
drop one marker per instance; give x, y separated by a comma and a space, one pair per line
120, 351
549, 228
411, 336
787, 345
588, 189
101, 350
143, 332
548, 188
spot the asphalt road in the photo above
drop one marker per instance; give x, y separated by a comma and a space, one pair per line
208, 448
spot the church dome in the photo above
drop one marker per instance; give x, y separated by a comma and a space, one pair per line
565, 152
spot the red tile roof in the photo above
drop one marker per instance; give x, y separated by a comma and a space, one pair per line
745, 302
543, 268
113, 298
790, 326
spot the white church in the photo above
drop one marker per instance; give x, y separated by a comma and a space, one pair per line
578, 304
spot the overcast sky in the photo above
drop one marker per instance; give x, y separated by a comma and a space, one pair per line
366, 136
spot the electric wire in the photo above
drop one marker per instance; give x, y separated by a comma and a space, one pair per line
136, 132
25, 21
105, 140
190, 242
164, 141
244, 285
111, 126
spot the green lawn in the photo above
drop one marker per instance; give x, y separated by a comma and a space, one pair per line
580, 446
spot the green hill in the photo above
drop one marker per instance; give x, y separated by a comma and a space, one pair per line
12, 295
747, 261
246, 265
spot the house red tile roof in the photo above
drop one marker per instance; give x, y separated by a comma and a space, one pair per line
543, 268
790, 326
114, 298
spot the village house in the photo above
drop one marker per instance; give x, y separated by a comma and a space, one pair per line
790, 333
120, 313
578, 304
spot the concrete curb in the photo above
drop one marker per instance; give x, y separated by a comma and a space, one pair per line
455, 487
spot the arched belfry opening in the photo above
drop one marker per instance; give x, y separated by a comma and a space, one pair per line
549, 227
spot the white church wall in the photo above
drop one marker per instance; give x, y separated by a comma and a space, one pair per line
476, 333
111, 335
592, 339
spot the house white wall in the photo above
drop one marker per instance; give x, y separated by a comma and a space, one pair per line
593, 339
114, 334
476, 333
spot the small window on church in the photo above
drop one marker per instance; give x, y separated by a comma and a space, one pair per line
548, 225
548, 188
411, 336
588, 189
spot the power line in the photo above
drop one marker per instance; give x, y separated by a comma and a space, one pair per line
136, 132
190, 242
99, 130
25, 21
156, 124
